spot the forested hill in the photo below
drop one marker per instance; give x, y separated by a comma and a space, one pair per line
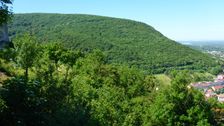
123, 41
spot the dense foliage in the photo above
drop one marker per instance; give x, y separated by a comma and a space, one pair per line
179, 106
63, 87
5, 12
123, 41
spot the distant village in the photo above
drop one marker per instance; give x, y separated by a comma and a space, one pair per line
212, 89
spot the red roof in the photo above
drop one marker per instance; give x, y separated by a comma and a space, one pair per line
218, 87
209, 91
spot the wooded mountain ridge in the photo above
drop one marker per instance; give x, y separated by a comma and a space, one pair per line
123, 41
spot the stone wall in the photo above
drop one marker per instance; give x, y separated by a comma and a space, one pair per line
4, 37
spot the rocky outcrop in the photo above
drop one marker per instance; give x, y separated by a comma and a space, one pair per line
4, 37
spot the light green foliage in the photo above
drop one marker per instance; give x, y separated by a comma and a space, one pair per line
195, 76
179, 105
123, 41
27, 50
68, 87
3, 77
117, 95
55, 52
163, 79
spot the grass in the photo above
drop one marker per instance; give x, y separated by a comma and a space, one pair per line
3, 77
9, 69
163, 79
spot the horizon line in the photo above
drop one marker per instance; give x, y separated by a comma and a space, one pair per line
189, 40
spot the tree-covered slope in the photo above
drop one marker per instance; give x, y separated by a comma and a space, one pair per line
123, 41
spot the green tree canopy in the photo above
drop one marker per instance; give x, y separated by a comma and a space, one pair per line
5, 12
68, 88
180, 105
28, 51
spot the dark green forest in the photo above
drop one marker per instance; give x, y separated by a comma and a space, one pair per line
123, 41
51, 85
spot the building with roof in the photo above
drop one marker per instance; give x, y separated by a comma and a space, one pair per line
220, 97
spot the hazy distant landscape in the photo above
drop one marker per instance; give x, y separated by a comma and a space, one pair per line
203, 43
215, 48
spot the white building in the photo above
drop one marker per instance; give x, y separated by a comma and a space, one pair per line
220, 97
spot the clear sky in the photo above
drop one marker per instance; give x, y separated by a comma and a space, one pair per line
177, 19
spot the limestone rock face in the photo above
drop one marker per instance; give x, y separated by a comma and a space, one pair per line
4, 37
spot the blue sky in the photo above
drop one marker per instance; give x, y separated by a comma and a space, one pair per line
177, 19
